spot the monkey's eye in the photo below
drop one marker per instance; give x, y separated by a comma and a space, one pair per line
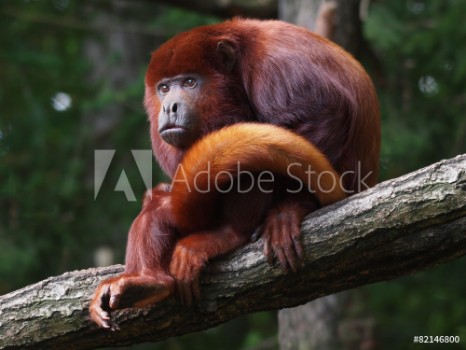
190, 83
163, 88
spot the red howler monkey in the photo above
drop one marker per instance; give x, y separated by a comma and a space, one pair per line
219, 75
205, 175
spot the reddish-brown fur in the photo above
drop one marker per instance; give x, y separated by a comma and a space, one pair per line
259, 147
282, 75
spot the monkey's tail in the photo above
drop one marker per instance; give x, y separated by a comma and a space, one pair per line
211, 165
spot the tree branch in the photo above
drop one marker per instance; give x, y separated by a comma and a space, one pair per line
399, 227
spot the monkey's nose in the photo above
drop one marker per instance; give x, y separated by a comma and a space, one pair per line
170, 107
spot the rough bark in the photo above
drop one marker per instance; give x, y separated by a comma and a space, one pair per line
399, 227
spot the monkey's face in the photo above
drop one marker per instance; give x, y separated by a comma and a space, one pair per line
178, 118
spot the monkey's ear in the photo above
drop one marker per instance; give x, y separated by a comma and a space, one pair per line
227, 54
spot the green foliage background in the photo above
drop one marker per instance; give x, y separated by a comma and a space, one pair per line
49, 220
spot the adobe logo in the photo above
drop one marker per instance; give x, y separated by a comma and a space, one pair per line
103, 160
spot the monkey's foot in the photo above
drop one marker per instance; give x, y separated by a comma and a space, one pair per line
282, 238
125, 291
185, 267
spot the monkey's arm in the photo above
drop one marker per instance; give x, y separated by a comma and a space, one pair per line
145, 280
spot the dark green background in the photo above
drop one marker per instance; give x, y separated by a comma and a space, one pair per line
49, 220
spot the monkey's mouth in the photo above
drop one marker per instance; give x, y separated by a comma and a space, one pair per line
176, 135
171, 128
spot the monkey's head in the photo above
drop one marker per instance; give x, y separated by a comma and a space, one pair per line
193, 86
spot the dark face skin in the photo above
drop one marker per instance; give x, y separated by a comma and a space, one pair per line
178, 118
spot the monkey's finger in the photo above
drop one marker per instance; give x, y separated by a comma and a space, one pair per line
281, 258
183, 284
103, 315
298, 247
182, 266
268, 249
100, 317
105, 324
273, 234
295, 230
175, 264
298, 251
291, 257
115, 292
288, 245
97, 311
114, 301
179, 274
281, 241
186, 292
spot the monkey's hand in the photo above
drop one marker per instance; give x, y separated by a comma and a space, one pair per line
185, 266
125, 291
192, 252
159, 191
281, 232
